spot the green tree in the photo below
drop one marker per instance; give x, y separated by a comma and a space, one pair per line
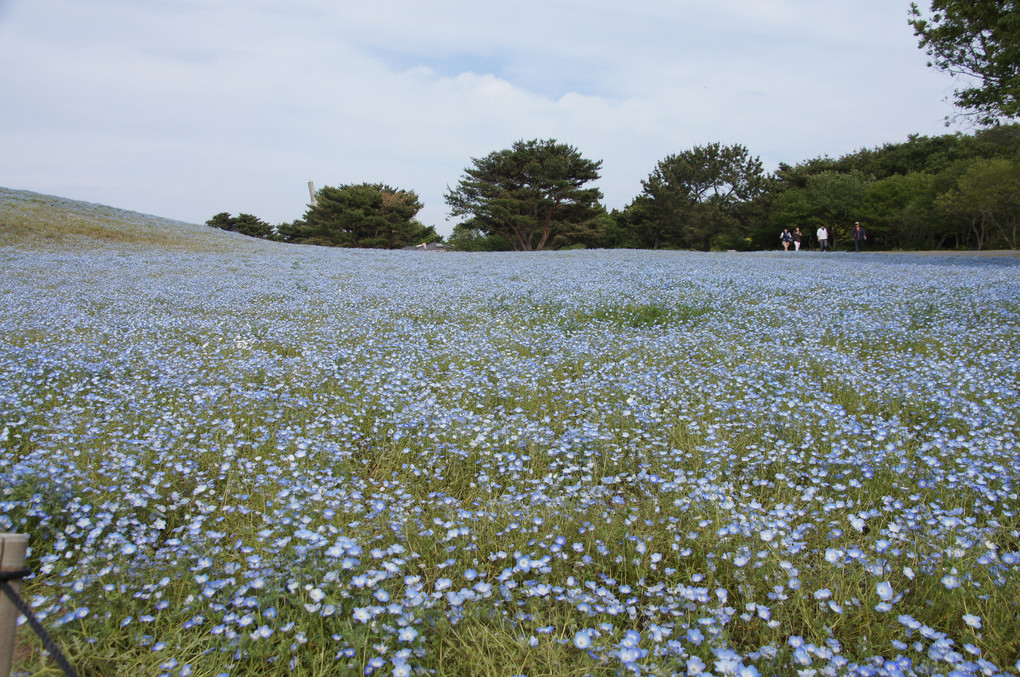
527, 193
371, 215
701, 194
837, 200
618, 232
898, 211
980, 41
640, 227
593, 233
791, 209
465, 238
246, 224
833, 199
891, 189
987, 197
223, 221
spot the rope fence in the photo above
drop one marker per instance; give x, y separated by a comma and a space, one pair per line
12, 562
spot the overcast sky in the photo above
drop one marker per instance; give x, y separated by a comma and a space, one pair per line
186, 108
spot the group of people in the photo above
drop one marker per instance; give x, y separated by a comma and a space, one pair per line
795, 238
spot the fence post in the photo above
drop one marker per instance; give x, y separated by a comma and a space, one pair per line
12, 558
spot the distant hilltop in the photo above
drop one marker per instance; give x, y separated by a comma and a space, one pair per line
30, 218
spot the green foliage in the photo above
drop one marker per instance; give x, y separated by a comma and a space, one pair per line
370, 215
698, 194
641, 227
595, 233
245, 224
617, 233
836, 200
987, 197
829, 198
640, 316
900, 210
223, 221
465, 238
528, 193
980, 41
895, 192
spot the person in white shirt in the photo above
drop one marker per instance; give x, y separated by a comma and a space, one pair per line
823, 238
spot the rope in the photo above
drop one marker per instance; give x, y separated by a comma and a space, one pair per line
26, 611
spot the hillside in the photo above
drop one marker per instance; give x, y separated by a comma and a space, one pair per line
28, 219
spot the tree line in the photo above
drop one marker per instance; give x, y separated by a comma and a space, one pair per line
952, 191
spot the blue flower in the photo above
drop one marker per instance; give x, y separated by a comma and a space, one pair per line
972, 620
582, 639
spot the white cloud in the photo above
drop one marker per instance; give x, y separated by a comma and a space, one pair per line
188, 108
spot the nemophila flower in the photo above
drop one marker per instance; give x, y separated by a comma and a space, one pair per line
972, 620
262, 632
884, 591
833, 555
582, 639
695, 666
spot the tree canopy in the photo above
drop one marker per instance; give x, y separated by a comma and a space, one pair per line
246, 224
979, 40
528, 193
363, 215
925, 193
955, 190
700, 194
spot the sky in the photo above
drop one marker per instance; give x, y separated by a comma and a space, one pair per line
187, 108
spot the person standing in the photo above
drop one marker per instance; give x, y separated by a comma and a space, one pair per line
823, 238
786, 239
859, 236
796, 239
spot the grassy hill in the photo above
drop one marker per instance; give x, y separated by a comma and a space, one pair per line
30, 219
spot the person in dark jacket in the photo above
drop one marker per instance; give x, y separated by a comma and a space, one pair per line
858, 235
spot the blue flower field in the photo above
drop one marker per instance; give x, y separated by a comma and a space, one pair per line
235, 457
